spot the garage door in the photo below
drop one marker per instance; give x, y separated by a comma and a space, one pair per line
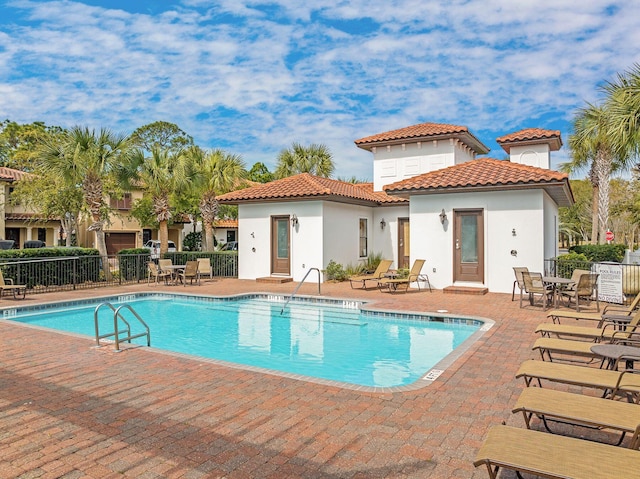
118, 241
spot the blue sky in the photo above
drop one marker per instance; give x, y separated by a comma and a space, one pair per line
253, 76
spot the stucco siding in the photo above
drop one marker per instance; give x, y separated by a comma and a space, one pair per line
503, 212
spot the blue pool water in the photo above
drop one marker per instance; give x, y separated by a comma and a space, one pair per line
330, 340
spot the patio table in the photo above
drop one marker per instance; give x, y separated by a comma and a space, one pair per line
557, 282
612, 354
175, 270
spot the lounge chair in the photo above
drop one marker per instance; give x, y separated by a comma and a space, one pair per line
381, 270
204, 267
605, 330
155, 273
190, 273
533, 285
518, 281
557, 315
580, 410
552, 456
16, 289
392, 284
571, 349
586, 288
612, 383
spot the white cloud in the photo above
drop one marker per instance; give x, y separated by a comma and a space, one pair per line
254, 76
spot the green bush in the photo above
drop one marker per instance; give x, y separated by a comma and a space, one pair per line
373, 260
193, 241
600, 252
566, 263
335, 272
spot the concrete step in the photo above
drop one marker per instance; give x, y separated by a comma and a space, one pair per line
465, 290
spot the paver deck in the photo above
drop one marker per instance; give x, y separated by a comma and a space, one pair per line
70, 410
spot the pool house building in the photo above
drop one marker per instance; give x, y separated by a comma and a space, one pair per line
472, 219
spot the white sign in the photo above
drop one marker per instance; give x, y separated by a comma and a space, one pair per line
609, 282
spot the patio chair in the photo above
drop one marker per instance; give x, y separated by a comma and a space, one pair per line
381, 270
190, 273
16, 289
547, 455
580, 410
612, 383
392, 284
533, 285
204, 267
518, 281
155, 273
586, 288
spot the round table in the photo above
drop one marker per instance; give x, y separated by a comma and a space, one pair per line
613, 353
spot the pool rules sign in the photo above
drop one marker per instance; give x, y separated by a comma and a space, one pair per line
609, 282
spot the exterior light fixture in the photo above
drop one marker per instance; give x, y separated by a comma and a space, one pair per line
513, 232
383, 223
294, 220
443, 216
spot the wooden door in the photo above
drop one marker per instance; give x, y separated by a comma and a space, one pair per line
468, 252
403, 243
280, 245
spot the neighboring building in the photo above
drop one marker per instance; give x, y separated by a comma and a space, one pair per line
21, 224
472, 219
18, 223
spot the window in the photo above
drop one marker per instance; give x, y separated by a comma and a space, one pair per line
42, 234
123, 203
363, 238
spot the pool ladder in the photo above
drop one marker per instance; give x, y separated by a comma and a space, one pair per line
117, 315
298, 287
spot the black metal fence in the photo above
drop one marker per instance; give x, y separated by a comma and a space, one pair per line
82, 272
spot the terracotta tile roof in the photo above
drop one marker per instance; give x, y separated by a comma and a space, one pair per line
27, 217
226, 223
12, 175
424, 131
487, 174
307, 186
531, 136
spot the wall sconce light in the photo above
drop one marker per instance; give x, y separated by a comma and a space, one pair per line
253, 235
294, 220
513, 232
443, 216
383, 223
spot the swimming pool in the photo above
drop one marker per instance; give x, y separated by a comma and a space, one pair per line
327, 339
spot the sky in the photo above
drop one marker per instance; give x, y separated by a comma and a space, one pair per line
254, 76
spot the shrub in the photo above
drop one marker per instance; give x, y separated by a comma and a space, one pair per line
600, 252
193, 241
335, 272
566, 263
373, 260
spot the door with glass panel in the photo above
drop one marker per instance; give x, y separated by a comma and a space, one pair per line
468, 252
280, 245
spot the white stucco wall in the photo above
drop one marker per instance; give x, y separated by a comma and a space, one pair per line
254, 238
531, 155
397, 162
504, 212
551, 227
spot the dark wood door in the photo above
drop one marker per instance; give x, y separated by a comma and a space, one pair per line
468, 246
280, 245
403, 243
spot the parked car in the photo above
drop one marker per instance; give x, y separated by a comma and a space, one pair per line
230, 246
154, 247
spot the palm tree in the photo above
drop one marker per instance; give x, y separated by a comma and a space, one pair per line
88, 159
214, 172
590, 146
160, 175
315, 159
623, 103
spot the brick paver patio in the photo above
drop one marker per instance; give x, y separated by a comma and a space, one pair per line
70, 410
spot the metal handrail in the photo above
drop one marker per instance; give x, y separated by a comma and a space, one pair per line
116, 334
298, 287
